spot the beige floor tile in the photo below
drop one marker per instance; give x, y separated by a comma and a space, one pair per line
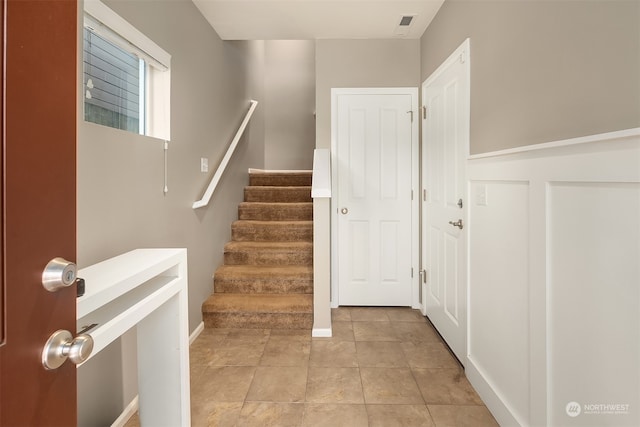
286, 352
278, 384
428, 355
399, 416
223, 414
333, 354
290, 334
462, 416
134, 421
237, 352
341, 314
374, 331
252, 334
389, 386
369, 314
380, 354
341, 331
331, 415
446, 387
222, 384
405, 315
334, 385
415, 331
269, 414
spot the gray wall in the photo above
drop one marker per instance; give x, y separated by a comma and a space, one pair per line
360, 63
121, 205
289, 85
542, 71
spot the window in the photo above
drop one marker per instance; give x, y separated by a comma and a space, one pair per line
127, 77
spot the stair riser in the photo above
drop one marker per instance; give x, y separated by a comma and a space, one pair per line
280, 180
258, 320
248, 286
277, 195
276, 213
271, 233
268, 258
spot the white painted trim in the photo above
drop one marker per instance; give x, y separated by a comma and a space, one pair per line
490, 397
607, 136
256, 171
321, 333
196, 333
126, 415
122, 28
321, 178
415, 183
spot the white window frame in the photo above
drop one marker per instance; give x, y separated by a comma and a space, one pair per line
157, 91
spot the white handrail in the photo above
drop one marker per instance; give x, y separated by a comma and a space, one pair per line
204, 201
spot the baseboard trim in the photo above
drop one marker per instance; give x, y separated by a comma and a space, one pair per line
321, 333
196, 333
487, 393
128, 412
253, 170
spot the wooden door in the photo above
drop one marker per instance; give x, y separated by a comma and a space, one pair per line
39, 206
444, 244
374, 161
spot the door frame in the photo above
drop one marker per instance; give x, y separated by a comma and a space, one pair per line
415, 184
462, 52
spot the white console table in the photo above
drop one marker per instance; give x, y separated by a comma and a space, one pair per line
146, 288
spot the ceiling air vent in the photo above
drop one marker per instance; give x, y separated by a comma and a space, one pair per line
402, 29
405, 21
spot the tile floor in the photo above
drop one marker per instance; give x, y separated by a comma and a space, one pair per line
382, 367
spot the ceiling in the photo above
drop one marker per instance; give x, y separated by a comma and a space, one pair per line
317, 19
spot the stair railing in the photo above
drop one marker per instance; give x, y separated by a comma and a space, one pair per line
204, 201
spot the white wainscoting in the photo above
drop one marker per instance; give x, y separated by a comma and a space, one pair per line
554, 288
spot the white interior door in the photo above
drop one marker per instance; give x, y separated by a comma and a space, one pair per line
374, 136
444, 235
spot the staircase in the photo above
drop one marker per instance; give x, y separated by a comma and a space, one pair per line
267, 277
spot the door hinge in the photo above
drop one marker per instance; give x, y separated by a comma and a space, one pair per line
424, 195
411, 112
424, 112
411, 195
412, 272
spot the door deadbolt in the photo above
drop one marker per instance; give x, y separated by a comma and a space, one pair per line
59, 273
62, 346
457, 223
